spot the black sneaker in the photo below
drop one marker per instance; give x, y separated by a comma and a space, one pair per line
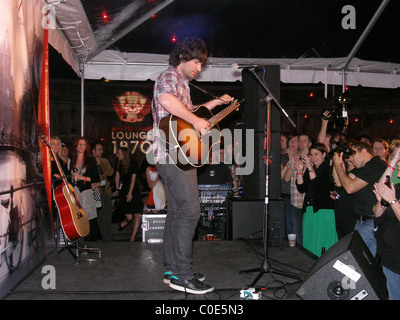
168, 275
190, 286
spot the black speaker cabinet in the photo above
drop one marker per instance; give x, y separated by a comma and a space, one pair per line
255, 107
245, 219
346, 271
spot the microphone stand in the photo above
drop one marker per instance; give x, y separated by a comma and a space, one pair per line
265, 268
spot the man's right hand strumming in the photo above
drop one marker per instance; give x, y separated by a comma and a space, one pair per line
201, 125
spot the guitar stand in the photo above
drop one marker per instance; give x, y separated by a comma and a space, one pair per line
78, 245
84, 251
81, 250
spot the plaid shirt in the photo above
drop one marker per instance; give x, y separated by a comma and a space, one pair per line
172, 82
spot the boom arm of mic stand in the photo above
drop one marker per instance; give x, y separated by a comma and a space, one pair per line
271, 96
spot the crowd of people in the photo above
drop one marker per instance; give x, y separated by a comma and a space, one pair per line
335, 185
106, 192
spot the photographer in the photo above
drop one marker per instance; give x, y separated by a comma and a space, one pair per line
344, 218
360, 183
344, 203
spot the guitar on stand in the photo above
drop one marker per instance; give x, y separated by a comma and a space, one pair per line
74, 221
187, 148
73, 218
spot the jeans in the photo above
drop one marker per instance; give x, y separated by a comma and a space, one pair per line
288, 220
182, 217
366, 230
392, 283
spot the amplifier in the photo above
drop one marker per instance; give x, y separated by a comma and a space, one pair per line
153, 227
214, 193
212, 222
245, 219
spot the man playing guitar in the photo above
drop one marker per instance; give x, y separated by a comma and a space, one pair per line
172, 96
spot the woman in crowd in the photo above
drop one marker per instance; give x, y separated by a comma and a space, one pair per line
84, 173
387, 229
319, 230
157, 197
130, 200
285, 185
55, 143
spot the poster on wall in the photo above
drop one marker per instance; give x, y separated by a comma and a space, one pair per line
133, 127
25, 223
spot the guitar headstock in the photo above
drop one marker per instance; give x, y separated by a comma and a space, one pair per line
236, 104
43, 139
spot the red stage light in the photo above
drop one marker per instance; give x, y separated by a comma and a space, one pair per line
311, 94
105, 16
356, 120
173, 39
391, 121
306, 116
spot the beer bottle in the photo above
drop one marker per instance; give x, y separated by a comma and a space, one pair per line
384, 203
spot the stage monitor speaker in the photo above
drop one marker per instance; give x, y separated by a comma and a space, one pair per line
254, 183
245, 219
255, 107
346, 271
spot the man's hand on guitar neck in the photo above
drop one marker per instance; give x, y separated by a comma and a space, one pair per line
202, 125
224, 99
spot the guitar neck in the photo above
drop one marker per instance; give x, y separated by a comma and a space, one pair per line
44, 140
222, 114
59, 167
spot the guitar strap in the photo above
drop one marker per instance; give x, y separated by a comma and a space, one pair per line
206, 92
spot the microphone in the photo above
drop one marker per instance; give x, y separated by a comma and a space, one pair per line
236, 66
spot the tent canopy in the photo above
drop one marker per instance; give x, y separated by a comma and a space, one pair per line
108, 47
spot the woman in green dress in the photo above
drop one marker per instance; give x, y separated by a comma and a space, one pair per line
319, 230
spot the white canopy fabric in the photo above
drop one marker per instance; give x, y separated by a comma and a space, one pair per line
114, 65
74, 39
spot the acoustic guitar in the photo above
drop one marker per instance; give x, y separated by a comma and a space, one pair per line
73, 218
185, 146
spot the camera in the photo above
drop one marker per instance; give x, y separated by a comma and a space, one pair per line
338, 113
341, 146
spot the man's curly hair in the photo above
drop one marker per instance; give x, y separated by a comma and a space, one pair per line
188, 49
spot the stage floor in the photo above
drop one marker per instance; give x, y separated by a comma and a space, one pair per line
134, 271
